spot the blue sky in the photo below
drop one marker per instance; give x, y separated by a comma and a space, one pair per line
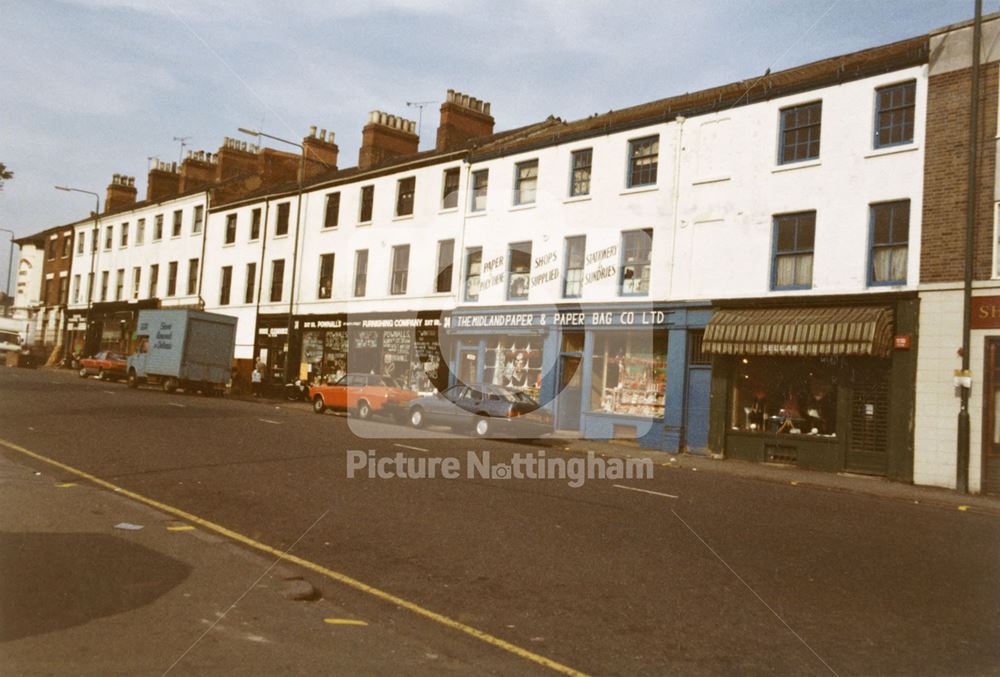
95, 87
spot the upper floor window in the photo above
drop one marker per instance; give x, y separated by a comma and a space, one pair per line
140, 231
178, 223
81, 236
405, 189
325, 290
480, 184
136, 282
66, 243
119, 283
255, 224
192, 283
172, 278
331, 216
281, 225
643, 157
449, 193
367, 204
400, 269
198, 222
109, 237
251, 282
360, 272
154, 280
124, 237
446, 259
573, 277
580, 179
800, 127
894, 114
525, 182
158, 227
277, 279
51, 249
76, 289
637, 250
518, 270
230, 228
794, 240
890, 238
225, 285
473, 272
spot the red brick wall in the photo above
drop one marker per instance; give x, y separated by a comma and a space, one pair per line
942, 250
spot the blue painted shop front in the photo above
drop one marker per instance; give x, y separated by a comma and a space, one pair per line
621, 371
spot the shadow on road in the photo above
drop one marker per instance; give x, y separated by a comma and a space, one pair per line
55, 581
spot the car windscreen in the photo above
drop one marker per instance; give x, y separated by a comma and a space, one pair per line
386, 381
9, 337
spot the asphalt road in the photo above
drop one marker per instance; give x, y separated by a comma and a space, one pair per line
709, 574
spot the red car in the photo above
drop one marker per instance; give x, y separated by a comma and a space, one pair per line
363, 395
106, 364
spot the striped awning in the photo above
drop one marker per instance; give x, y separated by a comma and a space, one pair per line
850, 330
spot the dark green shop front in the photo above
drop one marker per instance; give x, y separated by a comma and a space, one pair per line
827, 384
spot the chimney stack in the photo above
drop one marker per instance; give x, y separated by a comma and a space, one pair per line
163, 181
197, 170
121, 193
235, 158
462, 118
386, 136
320, 152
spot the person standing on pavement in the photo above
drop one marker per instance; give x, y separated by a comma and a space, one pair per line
255, 380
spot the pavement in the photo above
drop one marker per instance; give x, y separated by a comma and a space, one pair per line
93, 583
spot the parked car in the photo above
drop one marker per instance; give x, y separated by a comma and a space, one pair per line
107, 364
484, 409
363, 395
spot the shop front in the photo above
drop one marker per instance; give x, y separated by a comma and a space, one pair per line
403, 346
825, 386
605, 372
112, 326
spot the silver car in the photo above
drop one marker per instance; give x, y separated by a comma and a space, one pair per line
483, 409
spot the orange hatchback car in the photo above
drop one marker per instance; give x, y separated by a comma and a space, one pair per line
363, 395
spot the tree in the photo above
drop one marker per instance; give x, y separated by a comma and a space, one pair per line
5, 174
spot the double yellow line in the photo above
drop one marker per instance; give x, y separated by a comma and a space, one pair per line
312, 566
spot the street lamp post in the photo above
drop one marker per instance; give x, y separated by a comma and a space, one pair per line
10, 258
93, 262
289, 374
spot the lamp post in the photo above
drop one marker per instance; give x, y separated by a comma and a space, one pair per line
93, 261
289, 375
10, 258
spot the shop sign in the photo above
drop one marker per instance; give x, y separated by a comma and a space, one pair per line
546, 269
616, 318
902, 342
986, 312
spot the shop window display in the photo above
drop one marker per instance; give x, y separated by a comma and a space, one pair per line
629, 373
515, 362
785, 395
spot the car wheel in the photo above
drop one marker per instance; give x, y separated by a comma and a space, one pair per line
417, 417
364, 410
132, 380
102, 375
83, 372
170, 385
318, 406
481, 426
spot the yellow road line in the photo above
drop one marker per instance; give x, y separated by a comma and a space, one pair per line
66, 485
343, 621
307, 564
183, 527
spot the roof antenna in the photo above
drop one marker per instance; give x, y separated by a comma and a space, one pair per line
419, 105
183, 140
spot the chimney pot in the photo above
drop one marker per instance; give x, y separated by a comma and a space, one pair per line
322, 135
312, 131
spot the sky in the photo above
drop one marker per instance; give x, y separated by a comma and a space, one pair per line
91, 88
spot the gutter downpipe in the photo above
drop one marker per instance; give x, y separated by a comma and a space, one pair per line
676, 198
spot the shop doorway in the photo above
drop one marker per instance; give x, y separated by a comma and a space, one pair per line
697, 401
991, 418
468, 365
868, 441
570, 392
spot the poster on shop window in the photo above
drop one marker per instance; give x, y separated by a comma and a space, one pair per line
515, 362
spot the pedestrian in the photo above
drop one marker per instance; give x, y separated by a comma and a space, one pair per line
255, 379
